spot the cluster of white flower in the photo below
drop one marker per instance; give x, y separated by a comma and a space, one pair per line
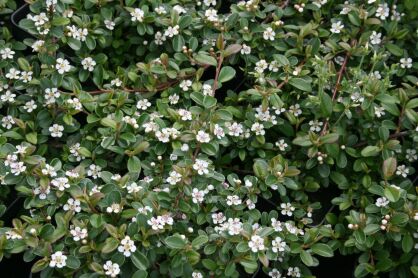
79, 34
158, 223
256, 243
78, 233
58, 260
41, 22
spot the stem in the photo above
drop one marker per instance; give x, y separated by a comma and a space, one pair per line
218, 70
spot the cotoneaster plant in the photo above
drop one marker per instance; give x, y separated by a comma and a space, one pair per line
211, 139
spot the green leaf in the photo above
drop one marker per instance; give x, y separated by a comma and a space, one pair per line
175, 242
232, 49
301, 84
32, 138
260, 168
134, 164
178, 43
306, 258
226, 74
23, 64
110, 245
206, 59
392, 194
140, 274
303, 141
74, 44
60, 21
389, 167
140, 260
326, 104
322, 250
394, 49
370, 151
330, 138
199, 241
407, 243
371, 229
72, 262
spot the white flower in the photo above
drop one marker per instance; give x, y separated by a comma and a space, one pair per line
218, 218
7, 122
172, 31
156, 223
26, 76
203, 137
174, 178
7, 53
201, 166
207, 90
411, 155
111, 269
218, 131
269, 34
73, 205
78, 233
159, 38
382, 11
109, 24
137, 15
315, 125
276, 225
211, 14
375, 38
13, 235
402, 170
13, 74
56, 130
61, 183
51, 95
295, 109
197, 196
114, 208
282, 145
185, 115
37, 45
234, 226
179, 9
62, 65
116, 82
49, 171
382, 202
275, 273
235, 129
196, 274
336, 27
143, 104
88, 63
256, 243
293, 271
287, 209
94, 171
278, 245
233, 200
133, 187
406, 63
258, 129
74, 103
160, 10
8, 97
379, 111
185, 85
174, 99
58, 260
42, 192
127, 246
245, 50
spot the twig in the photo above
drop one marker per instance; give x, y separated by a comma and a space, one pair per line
392, 136
159, 88
337, 86
218, 69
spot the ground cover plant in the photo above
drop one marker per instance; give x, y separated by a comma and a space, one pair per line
210, 138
